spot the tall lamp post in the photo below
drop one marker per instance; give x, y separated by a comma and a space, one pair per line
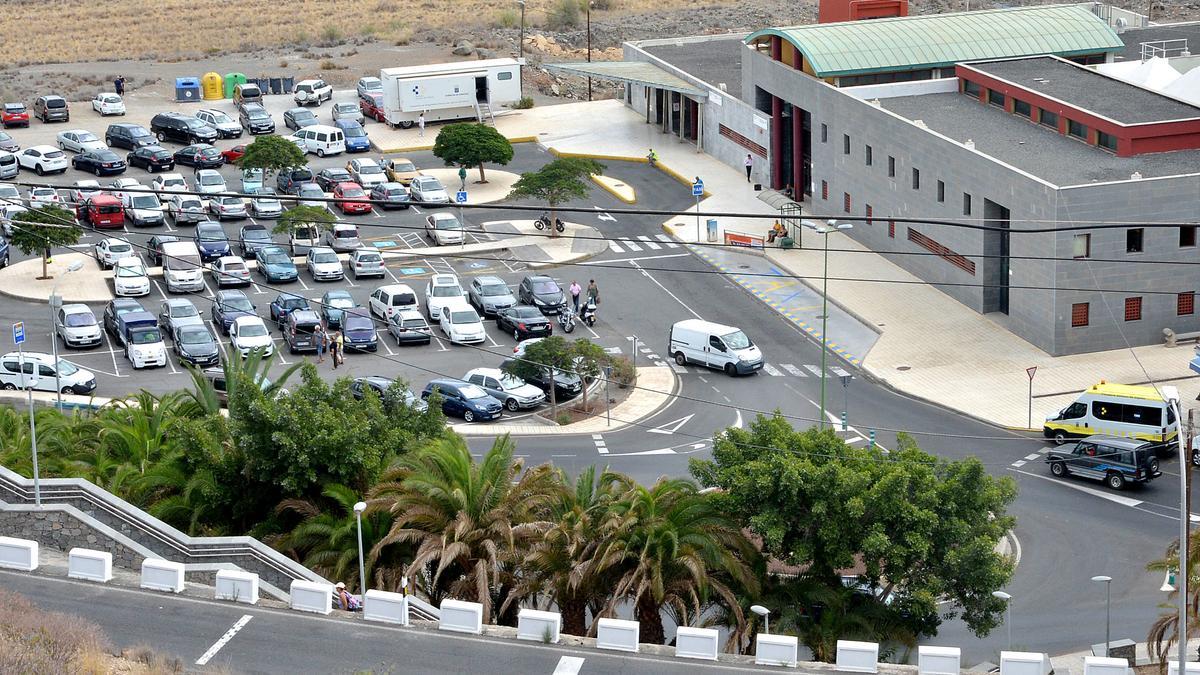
1107, 581
824, 230
589, 44
1007, 613
1171, 394
359, 507
55, 305
521, 40
765, 614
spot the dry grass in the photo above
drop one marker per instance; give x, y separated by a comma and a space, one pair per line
194, 28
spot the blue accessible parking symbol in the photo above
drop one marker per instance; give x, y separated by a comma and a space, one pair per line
18, 332
698, 188
461, 197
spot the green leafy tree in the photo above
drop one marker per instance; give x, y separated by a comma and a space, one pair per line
472, 145
272, 154
553, 354
589, 361
925, 529
557, 183
40, 230
303, 214
327, 539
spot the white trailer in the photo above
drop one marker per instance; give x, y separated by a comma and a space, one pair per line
449, 91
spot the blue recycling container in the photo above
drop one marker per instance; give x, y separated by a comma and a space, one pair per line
187, 89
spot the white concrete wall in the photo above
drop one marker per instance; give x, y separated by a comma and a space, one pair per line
83, 563
237, 586
18, 554
534, 624
162, 575
385, 607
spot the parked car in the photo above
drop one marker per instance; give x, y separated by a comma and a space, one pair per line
210, 181
542, 292
201, 156
128, 136
444, 228
211, 240
408, 327
51, 108
43, 159
343, 237
175, 313
230, 270
40, 372
108, 103
173, 126
515, 393
151, 158
310, 194
81, 190
118, 187
392, 195
440, 291
489, 294
461, 324
79, 140
298, 118
330, 177
358, 333
286, 303
113, 312
275, 264
265, 203
320, 140
227, 206
235, 153
566, 385
186, 209
428, 190
14, 115
248, 334
333, 307
43, 196
223, 123
109, 251
229, 305
7, 143
356, 136
130, 277
311, 92
366, 172
324, 265
382, 386
143, 209
169, 182
255, 119
365, 262
143, 340
400, 170
304, 236
289, 180
76, 326
371, 105
347, 111
368, 85
194, 344
253, 238
154, 248
300, 328
1116, 461
387, 300
101, 211
253, 179
465, 400
351, 198
246, 93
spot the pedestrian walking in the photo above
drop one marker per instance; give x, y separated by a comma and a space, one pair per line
119, 85
576, 289
749, 166
421, 124
322, 342
338, 346
462, 177
593, 292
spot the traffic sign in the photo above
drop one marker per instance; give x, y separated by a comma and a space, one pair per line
461, 197
698, 188
1030, 371
18, 332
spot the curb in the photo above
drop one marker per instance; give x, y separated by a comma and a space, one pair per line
618, 158
612, 190
808, 282
422, 148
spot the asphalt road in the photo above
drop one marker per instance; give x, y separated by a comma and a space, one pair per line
1068, 530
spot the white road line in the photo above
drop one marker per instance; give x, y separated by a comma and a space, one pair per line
839, 372
815, 370
302, 284
665, 289
630, 245
666, 241
1123, 501
112, 352
568, 665
384, 343
597, 437
212, 651
614, 247
1030, 458
1019, 464
771, 370
647, 242
678, 368
793, 370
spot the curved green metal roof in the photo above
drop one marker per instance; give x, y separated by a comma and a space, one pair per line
930, 41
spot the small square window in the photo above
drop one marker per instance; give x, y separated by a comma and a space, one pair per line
1079, 315
824, 133
1187, 236
996, 97
1133, 240
1048, 119
845, 144
870, 212
941, 191
1082, 246
966, 203
846, 202
1133, 309
916, 175
1077, 130
870, 159
891, 167
891, 229
1186, 304
971, 89
1106, 141
1022, 108
824, 190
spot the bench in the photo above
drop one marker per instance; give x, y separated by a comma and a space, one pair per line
1172, 338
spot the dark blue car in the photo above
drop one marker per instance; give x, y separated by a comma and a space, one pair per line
359, 333
356, 136
284, 304
228, 306
211, 240
465, 400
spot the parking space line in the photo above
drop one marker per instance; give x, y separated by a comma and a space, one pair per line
384, 343
441, 345
111, 351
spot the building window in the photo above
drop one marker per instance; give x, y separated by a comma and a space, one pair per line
1133, 240
824, 190
845, 144
1187, 236
916, 178
870, 158
1077, 130
870, 212
971, 88
941, 191
995, 97
1079, 315
966, 203
1022, 108
846, 202
824, 133
1133, 309
1082, 246
891, 229
1185, 304
891, 167
1048, 119
1107, 141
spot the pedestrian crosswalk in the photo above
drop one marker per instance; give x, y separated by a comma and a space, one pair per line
624, 244
769, 369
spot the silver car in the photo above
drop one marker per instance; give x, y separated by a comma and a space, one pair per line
76, 326
343, 238
79, 140
311, 194
324, 265
265, 204
227, 206
365, 262
428, 190
347, 111
489, 294
175, 313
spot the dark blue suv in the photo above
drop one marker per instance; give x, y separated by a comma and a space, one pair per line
465, 400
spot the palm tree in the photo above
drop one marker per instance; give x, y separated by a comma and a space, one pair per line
668, 544
466, 519
327, 539
253, 368
1164, 632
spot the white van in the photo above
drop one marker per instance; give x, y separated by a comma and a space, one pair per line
1121, 410
322, 140
181, 267
36, 370
711, 344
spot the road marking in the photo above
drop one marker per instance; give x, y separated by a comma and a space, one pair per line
630, 244
1019, 464
645, 257
612, 246
793, 370
646, 240
665, 289
839, 372
601, 447
678, 368
666, 241
670, 427
568, 665
111, 351
212, 651
1116, 499
604, 216
1030, 458
813, 369
771, 370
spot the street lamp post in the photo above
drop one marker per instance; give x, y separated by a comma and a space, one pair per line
55, 305
765, 614
1107, 581
824, 230
1007, 613
359, 507
589, 45
1171, 394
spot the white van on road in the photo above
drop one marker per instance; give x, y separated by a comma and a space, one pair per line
713, 345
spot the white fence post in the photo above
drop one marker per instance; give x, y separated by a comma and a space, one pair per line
1024, 663
857, 657
461, 617
83, 563
18, 554
537, 625
696, 643
311, 596
939, 660
162, 575
237, 586
617, 634
776, 650
385, 607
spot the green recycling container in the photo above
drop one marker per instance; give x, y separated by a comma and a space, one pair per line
232, 80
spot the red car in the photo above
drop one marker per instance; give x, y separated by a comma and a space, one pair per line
351, 198
14, 115
371, 106
234, 154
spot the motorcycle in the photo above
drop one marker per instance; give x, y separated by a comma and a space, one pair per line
566, 320
543, 223
588, 315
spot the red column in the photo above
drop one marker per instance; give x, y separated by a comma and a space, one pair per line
776, 143
693, 116
797, 152
776, 48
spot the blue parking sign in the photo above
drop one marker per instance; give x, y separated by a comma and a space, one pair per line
461, 197
18, 332
698, 188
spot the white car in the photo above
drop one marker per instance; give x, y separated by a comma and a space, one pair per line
130, 277
249, 333
82, 190
209, 181
169, 182
110, 250
441, 291
145, 347
428, 190
365, 262
443, 228
515, 393
9, 192
144, 208
225, 125
366, 172
186, 209
227, 206
108, 103
76, 326
369, 84
461, 323
343, 237
38, 373
324, 265
79, 140
298, 142
312, 91
387, 300
519, 350
7, 213
231, 270
117, 187
44, 196
43, 159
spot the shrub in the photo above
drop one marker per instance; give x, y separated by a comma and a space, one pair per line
330, 64
564, 15
601, 5
331, 34
34, 641
623, 372
523, 103
508, 18
283, 63
563, 419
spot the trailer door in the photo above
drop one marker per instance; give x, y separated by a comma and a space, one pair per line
481, 89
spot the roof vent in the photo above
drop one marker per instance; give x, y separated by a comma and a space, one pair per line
970, 144
921, 123
1136, 175
722, 87
874, 102
1122, 24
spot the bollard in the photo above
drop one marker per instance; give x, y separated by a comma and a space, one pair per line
843, 420
872, 439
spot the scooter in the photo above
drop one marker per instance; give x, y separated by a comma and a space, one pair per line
566, 320
543, 223
588, 315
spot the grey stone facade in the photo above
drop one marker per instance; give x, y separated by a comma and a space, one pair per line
63, 531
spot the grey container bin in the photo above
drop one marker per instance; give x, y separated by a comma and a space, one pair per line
288, 83
276, 85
